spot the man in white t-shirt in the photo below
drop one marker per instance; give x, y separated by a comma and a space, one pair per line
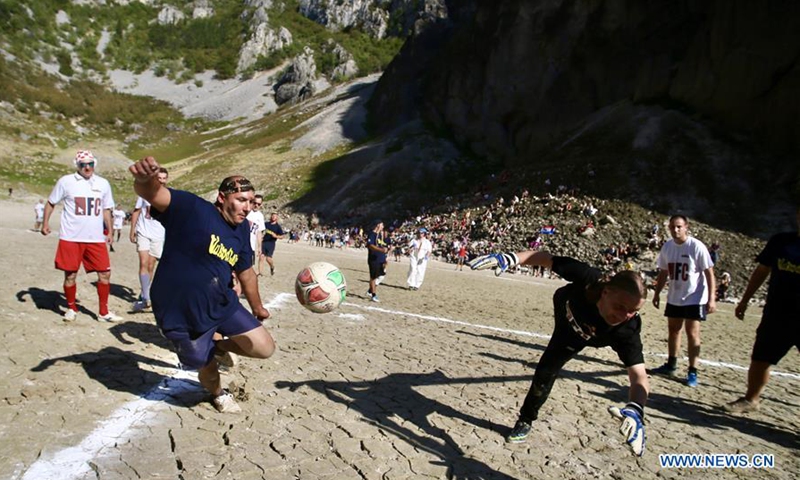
685, 261
257, 222
38, 209
87, 207
421, 249
119, 221
148, 235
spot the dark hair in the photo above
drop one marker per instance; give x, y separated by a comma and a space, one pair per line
260, 196
682, 217
235, 184
628, 281
162, 170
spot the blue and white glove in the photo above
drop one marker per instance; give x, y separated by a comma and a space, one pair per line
500, 262
632, 426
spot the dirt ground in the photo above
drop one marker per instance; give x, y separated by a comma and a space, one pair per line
424, 384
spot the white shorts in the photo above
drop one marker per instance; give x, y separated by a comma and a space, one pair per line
152, 247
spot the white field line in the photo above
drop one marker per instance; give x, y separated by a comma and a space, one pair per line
524, 333
75, 462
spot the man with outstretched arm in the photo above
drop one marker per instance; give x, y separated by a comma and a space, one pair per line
589, 312
192, 295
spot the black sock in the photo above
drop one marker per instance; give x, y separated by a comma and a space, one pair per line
672, 362
692, 370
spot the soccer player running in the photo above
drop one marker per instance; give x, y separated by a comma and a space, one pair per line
148, 235
377, 248
779, 329
192, 295
589, 312
687, 263
87, 206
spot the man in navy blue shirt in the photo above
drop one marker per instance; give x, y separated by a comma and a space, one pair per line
192, 293
779, 329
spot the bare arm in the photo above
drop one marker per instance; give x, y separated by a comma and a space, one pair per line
110, 222
134, 220
538, 258
661, 280
757, 278
640, 385
249, 282
711, 281
146, 184
48, 210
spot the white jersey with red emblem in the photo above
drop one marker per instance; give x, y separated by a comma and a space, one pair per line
146, 225
685, 264
84, 204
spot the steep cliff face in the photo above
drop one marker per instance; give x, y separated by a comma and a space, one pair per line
520, 80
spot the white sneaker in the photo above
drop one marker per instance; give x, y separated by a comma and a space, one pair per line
225, 403
140, 306
70, 315
109, 317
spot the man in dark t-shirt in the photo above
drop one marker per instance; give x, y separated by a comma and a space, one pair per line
193, 299
377, 248
589, 312
779, 329
272, 233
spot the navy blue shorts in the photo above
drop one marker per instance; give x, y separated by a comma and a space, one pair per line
688, 312
196, 351
268, 248
376, 269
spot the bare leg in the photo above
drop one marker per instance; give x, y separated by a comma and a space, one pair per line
757, 378
675, 326
693, 338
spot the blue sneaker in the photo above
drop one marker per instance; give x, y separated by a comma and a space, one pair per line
691, 379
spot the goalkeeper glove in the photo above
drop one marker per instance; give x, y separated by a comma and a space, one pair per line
500, 262
632, 426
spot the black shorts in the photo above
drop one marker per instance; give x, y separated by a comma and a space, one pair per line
688, 312
268, 248
774, 339
376, 269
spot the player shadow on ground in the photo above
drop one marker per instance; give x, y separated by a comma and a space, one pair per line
50, 300
144, 332
394, 396
119, 370
534, 346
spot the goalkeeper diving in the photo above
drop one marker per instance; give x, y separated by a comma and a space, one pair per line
589, 312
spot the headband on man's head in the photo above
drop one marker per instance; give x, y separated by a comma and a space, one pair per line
84, 156
235, 184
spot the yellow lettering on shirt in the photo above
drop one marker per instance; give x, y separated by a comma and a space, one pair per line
787, 266
220, 251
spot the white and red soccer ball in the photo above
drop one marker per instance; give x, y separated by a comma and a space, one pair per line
320, 287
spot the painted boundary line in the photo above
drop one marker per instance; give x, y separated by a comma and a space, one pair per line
711, 363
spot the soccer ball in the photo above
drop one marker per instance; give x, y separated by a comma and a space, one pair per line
320, 287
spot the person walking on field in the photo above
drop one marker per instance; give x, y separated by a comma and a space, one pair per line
686, 262
377, 248
192, 296
257, 227
420, 249
118, 216
589, 312
779, 329
272, 233
38, 210
148, 235
88, 202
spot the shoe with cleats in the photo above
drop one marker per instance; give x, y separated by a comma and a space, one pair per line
519, 433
